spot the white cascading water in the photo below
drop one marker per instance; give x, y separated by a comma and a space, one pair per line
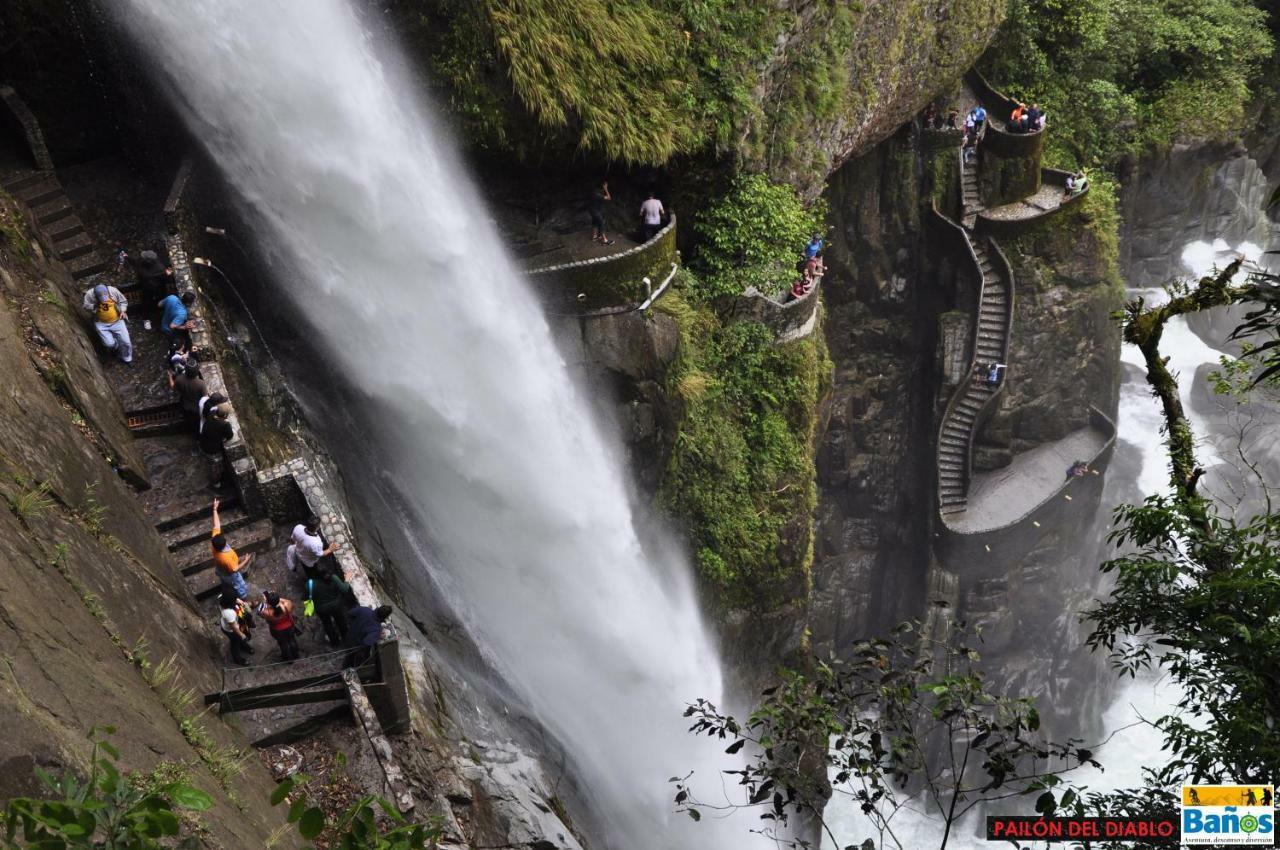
394, 264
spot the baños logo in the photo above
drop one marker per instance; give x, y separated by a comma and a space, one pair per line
1228, 814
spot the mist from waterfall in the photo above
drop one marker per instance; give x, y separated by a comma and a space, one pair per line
388, 256
1139, 427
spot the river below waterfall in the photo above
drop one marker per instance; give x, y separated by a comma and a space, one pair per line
1131, 740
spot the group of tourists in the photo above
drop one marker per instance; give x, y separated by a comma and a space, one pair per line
812, 268
652, 212
988, 374
1026, 119
324, 590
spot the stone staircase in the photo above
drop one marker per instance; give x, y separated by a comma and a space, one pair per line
961, 419
56, 216
187, 535
970, 199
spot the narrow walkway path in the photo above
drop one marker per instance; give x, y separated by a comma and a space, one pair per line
1002, 496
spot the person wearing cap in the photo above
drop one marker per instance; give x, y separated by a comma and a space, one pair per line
235, 621
153, 276
215, 434
229, 566
110, 311
278, 612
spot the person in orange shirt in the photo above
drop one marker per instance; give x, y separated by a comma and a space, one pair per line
229, 566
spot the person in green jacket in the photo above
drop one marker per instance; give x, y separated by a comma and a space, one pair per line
331, 595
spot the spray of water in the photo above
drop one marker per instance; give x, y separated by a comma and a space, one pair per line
390, 259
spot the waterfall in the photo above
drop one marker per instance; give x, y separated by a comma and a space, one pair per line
388, 257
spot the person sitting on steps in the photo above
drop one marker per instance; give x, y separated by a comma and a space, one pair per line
110, 311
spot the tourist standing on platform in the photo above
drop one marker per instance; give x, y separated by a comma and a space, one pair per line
174, 319
979, 115
234, 619
278, 612
229, 566
189, 386
110, 311
153, 276
651, 213
364, 632
214, 436
332, 597
599, 197
306, 547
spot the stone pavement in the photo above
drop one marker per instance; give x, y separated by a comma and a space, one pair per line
1003, 496
1048, 199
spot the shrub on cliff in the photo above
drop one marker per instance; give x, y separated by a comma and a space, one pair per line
741, 473
1118, 78
753, 235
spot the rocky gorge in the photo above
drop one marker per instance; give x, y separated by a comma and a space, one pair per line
864, 549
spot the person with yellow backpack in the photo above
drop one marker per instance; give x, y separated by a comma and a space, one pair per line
110, 311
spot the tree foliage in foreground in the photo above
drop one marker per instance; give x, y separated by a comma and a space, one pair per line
1118, 76
909, 717
114, 810
1196, 598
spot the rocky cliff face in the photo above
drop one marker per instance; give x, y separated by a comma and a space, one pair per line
874, 461
91, 601
1065, 347
897, 57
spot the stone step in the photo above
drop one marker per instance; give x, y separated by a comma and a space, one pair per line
956, 443
88, 264
991, 334
40, 192
15, 183
70, 247
64, 228
196, 561
53, 210
171, 522
956, 508
197, 530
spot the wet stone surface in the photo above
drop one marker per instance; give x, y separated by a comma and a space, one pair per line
180, 477
143, 385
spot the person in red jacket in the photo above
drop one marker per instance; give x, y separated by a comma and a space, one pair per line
278, 613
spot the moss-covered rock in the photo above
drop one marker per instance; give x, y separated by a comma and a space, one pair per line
1066, 346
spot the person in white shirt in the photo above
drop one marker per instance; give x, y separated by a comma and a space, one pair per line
306, 547
651, 213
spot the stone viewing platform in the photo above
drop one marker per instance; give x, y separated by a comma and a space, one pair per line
789, 320
1003, 496
608, 280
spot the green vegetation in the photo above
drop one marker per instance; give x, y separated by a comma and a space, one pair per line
109, 810
644, 81
1196, 598
911, 720
1120, 77
357, 828
741, 474
753, 235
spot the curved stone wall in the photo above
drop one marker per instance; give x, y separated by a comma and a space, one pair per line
22, 123
611, 281
999, 106
789, 321
986, 553
991, 222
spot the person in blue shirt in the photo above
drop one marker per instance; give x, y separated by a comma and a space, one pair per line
979, 116
174, 313
814, 247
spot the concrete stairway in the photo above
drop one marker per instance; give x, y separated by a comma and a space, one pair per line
971, 201
53, 211
960, 421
